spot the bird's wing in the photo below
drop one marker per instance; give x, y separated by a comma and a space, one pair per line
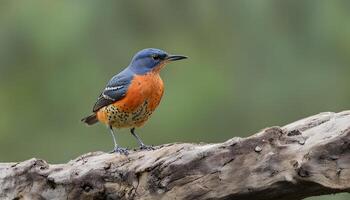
115, 90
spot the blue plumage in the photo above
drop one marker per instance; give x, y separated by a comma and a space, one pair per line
146, 59
143, 62
142, 88
115, 89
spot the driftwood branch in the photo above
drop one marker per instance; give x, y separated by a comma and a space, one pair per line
306, 158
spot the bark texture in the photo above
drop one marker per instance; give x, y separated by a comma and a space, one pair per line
305, 158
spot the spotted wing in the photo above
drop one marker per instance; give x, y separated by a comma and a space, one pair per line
115, 90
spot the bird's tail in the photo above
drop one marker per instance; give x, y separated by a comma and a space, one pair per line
90, 120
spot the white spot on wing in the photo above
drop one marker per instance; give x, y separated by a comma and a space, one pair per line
107, 97
114, 88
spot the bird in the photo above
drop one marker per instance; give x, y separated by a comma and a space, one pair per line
131, 96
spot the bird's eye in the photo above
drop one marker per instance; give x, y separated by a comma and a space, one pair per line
155, 57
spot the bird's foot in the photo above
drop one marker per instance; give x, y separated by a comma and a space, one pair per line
146, 147
120, 150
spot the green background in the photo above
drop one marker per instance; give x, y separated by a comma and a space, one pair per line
252, 64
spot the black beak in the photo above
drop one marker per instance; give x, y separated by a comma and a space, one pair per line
175, 57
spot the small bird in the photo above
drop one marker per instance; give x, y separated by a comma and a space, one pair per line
131, 96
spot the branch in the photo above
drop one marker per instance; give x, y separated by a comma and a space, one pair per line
306, 158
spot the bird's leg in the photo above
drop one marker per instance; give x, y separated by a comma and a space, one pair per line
142, 145
117, 149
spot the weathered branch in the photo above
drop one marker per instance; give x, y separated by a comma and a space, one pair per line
306, 158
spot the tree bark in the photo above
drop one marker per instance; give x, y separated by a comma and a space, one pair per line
305, 158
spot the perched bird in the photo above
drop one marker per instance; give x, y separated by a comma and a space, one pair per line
131, 96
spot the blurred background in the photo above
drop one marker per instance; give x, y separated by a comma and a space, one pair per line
253, 64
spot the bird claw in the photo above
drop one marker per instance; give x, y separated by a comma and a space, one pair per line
147, 148
120, 150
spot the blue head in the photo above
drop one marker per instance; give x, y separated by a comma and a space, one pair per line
151, 59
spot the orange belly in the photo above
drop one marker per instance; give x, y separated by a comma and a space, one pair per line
142, 98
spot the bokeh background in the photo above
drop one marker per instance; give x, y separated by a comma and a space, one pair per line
252, 64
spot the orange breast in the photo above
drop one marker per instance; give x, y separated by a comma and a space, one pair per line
142, 98
146, 87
